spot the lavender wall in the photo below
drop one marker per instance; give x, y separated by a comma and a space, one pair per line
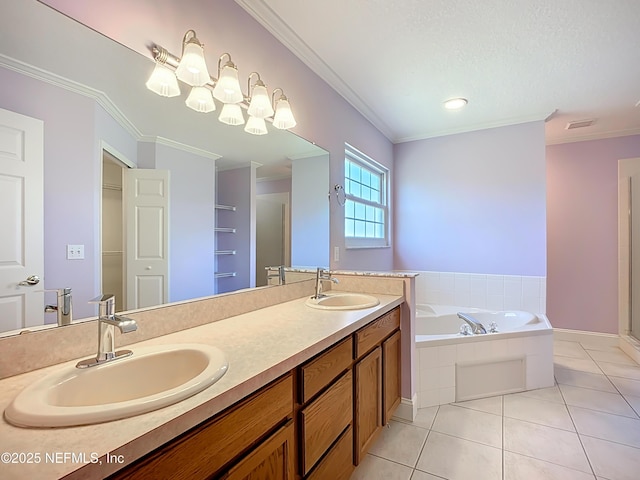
69, 160
472, 202
582, 226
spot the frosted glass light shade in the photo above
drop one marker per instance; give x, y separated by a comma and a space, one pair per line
260, 106
283, 118
227, 89
231, 114
200, 100
192, 68
256, 126
163, 81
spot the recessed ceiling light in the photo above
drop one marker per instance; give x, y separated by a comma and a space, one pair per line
455, 103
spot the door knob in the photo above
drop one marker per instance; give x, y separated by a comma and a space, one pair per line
30, 281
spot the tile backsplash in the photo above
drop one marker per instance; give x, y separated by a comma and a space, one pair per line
493, 292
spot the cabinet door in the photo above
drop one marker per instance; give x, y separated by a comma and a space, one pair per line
368, 402
271, 460
391, 376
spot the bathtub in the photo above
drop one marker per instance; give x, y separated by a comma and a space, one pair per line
452, 367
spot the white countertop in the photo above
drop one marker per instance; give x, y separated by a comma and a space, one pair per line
260, 346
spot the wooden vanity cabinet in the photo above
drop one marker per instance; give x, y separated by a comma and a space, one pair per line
376, 379
256, 434
315, 423
326, 412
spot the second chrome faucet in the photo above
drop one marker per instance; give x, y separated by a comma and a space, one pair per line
108, 321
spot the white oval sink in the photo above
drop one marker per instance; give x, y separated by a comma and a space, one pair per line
343, 301
152, 378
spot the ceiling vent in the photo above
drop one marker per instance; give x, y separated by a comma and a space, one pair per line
580, 124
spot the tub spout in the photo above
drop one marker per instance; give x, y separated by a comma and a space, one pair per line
476, 326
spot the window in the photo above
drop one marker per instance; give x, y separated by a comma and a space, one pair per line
366, 211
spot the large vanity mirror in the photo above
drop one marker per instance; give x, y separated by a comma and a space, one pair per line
231, 203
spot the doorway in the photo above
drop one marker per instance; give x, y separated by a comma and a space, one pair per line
112, 238
629, 247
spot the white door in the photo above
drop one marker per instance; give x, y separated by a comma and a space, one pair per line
21, 220
146, 200
634, 253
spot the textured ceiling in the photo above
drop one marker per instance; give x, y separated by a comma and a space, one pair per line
396, 61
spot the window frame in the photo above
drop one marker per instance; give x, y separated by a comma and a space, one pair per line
351, 154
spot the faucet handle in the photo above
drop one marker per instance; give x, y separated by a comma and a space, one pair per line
107, 302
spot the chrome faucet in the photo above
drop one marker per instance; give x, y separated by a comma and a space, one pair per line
276, 272
476, 326
322, 274
62, 307
107, 321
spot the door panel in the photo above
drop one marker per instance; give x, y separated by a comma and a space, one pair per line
21, 242
146, 194
634, 254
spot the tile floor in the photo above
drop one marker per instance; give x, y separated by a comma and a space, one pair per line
587, 427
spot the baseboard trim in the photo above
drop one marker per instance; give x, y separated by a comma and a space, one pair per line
630, 346
408, 409
589, 338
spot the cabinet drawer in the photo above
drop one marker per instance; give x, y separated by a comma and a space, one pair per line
324, 419
272, 460
371, 335
338, 464
204, 450
320, 371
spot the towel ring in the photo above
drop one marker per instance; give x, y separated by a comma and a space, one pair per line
341, 196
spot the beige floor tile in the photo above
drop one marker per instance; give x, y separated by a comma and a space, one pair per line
580, 364
469, 424
550, 394
418, 475
612, 460
596, 381
376, 468
519, 467
545, 443
569, 349
487, 405
634, 402
424, 417
458, 459
619, 370
400, 443
595, 400
538, 411
612, 357
626, 385
601, 348
606, 426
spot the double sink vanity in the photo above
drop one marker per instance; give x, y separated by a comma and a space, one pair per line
296, 389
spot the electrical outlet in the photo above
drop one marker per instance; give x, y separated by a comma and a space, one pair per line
336, 254
75, 252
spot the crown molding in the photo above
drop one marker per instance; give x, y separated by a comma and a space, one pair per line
101, 99
264, 15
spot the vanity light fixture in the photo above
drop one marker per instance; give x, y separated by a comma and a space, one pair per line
192, 69
227, 88
260, 104
163, 81
256, 126
231, 114
455, 103
201, 100
283, 119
